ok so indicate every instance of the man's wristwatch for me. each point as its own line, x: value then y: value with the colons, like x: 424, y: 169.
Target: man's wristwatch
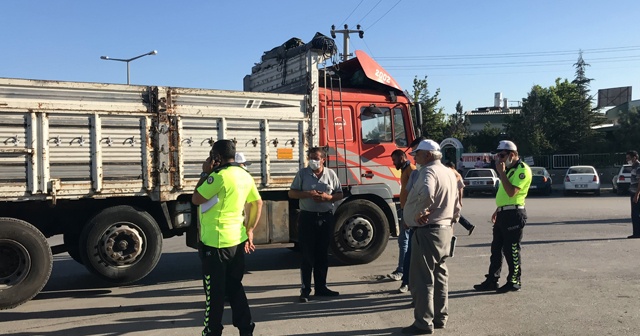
x: 204, y: 175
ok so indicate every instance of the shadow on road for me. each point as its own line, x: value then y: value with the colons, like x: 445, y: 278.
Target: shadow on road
x: 559, y: 241
x: 179, y: 315
x: 584, y: 221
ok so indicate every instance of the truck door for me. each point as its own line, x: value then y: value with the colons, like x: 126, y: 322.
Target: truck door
x: 383, y: 130
x: 343, y: 153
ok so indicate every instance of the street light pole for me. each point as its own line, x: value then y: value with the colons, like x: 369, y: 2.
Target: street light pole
x: 128, y: 60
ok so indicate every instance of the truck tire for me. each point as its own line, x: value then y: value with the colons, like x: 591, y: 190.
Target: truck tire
x: 121, y: 244
x: 361, y: 232
x: 25, y: 262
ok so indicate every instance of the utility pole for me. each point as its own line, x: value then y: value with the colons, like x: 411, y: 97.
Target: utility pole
x: 345, y: 35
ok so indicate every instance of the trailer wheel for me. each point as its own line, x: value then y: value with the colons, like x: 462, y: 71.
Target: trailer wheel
x: 121, y: 244
x: 25, y: 262
x: 361, y: 232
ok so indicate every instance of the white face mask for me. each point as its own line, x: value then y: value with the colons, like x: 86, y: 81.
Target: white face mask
x: 314, y: 164
x: 509, y: 162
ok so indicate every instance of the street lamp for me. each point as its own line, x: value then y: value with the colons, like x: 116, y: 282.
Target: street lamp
x: 107, y: 58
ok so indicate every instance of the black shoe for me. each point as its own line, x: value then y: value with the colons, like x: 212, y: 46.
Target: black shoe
x: 413, y: 330
x: 487, y: 285
x: 304, y: 297
x: 633, y: 236
x: 438, y: 325
x: 325, y: 292
x: 508, y: 287
x: 471, y: 229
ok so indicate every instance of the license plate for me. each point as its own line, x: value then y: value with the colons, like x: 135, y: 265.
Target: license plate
x: 477, y: 183
x: 533, y: 187
x: 581, y: 185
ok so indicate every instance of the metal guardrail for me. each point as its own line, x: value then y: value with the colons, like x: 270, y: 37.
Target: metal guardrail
x: 562, y: 161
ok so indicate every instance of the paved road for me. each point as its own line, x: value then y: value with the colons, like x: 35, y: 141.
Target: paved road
x: 580, y: 277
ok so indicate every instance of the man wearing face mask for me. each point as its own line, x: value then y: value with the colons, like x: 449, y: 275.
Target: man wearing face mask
x: 317, y: 188
x: 509, y: 219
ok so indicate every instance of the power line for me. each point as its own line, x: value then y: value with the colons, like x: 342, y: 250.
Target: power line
x: 385, y: 14
x: 508, y: 64
x: 369, y: 12
x: 353, y: 11
x: 532, y: 63
x: 508, y: 55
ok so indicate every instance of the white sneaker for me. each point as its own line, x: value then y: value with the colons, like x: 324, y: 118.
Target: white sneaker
x: 403, y: 289
x: 395, y: 276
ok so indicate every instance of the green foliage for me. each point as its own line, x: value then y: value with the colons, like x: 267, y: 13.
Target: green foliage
x: 628, y: 136
x: 483, y: 141
x: 433, y: 121
x: 457, y: 125
x: 557, y: 119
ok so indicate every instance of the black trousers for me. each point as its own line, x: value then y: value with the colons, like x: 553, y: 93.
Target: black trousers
x: 314, y: 234
x: 507, y: 235
x: 222, y: 270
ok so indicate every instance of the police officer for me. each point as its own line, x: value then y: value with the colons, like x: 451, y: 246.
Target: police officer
x: 509, y: 219
x: 317, y: 188
x: 221, y: 195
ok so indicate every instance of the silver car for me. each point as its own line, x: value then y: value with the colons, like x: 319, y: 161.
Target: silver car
x: 582, y: 179
x: 481, y: 180
x: 622, y: 180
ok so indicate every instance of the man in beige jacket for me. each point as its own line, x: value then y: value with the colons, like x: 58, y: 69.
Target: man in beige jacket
x: 432, y: 206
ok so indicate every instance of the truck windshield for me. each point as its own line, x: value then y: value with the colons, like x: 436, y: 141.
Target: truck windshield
x: 400, y: 134
x: 376, y: 127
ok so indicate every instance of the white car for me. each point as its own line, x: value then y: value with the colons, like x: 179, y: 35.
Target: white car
x: 622, y: 180
x: 582, y: 179
x: 481, y: 180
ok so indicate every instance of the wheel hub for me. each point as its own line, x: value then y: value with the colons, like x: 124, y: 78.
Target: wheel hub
x: 121, y: 244
x: 358, y: 232
x: 15, y: 263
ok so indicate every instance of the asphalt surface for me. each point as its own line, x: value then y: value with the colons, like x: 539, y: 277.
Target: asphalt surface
x: 580, y: 277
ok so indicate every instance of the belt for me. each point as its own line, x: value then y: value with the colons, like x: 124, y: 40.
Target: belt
x: 434, y: 226
x: 510, y: 207
x: 319, y: 214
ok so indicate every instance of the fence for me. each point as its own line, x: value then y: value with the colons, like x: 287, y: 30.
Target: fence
x: 561, y: 161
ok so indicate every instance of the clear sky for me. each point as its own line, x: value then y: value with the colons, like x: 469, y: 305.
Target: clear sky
x: 468, y: 49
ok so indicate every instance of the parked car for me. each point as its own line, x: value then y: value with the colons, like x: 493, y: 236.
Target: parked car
x: 541, y: 181
x: 582, y: 179
x: 622, y: 180
x: 481, y: 180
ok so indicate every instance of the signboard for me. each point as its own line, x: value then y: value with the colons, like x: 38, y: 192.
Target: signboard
x: 614, y: 96
x: 285, y: 153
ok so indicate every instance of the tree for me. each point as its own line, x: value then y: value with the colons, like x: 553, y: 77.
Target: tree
x: 433, y: 122
x: 529, y: 128
x: 628, y: 136
x: 584, y: 115
x: 457, y: 124
x: 557, y: 119
x: 484, y: 141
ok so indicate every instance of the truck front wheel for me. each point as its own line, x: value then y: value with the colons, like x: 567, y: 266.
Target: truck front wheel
x: 361, y: 232
x: 25, y: 262
x: 121, y: 244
